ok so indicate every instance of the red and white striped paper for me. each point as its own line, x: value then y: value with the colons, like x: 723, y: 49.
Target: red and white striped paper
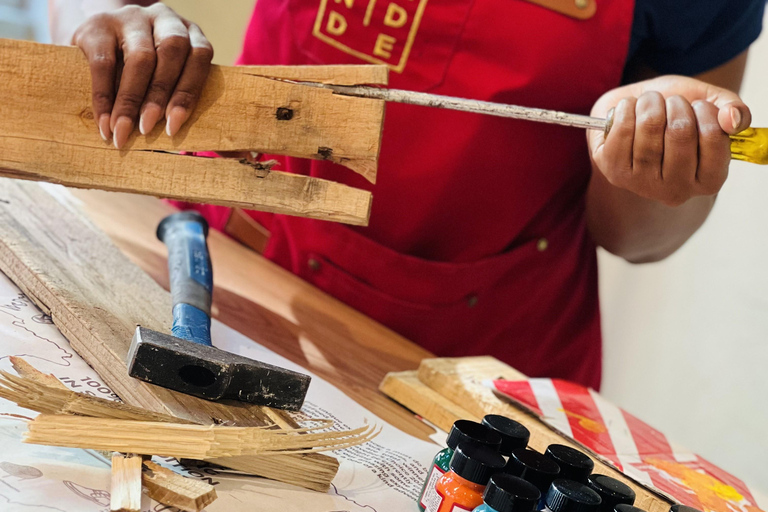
x: 634, y: 447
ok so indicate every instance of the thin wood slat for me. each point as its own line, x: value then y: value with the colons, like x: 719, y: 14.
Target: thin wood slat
x: 172, y: 489
x: 46, y: 94
x: 125, y: 489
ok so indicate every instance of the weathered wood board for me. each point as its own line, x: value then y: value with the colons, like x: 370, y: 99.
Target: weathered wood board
x: 96, y: 297
x: 47, y: 133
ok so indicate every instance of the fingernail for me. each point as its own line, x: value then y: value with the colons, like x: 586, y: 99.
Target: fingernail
x: 176, y: 118
x: 735, y: 117
x: 123, y: 129
x: 149, y: 118
x: 104, y: 127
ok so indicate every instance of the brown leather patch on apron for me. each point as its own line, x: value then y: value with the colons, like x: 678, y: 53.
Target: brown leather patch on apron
x: 247, y: 231
x: 579, y: 9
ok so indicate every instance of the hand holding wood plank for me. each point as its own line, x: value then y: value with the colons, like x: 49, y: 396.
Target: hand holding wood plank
x: 47, y: 133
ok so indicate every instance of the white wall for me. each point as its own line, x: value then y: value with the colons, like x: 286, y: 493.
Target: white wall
x: 686, y: 340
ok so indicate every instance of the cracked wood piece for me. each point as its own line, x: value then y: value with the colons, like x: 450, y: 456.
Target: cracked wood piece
x: 125, y: 489
x: 46, y: 94
x: 175, y: 490
x: 461, y: 379
x: 406, y: 389
x: 96, y: 297
x: 223, y: 181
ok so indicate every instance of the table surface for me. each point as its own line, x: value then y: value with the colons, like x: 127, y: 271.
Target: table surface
x: 273, y: 307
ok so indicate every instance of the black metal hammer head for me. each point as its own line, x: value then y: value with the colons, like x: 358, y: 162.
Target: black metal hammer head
x: 212, y: 373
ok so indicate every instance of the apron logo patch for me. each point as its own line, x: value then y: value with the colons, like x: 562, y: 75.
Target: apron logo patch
x: 377, y: 31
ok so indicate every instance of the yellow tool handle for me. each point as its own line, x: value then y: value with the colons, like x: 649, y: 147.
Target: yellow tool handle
x: 751, y: 145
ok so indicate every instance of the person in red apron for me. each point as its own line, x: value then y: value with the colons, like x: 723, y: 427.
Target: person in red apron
x: 483, y: 230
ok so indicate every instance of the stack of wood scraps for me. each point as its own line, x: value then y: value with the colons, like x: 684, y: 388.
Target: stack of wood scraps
x: 76, y: 420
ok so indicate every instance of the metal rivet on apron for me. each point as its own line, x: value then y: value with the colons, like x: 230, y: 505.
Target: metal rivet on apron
x: 542, y: 244
x: 582, y: 4
x: 313, y: 264
x: 472, y: 301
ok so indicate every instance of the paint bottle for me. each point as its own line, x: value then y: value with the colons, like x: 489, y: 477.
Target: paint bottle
x: 683, y: 508
x: 533, y: 467
x: 507, y: 493
x: 612, y: 492
x: 461, y: 431
x: 574, y: 465
x: 513, y: 434
x: 623, y: 507
x: 461, y: 488
x: 570, y: 496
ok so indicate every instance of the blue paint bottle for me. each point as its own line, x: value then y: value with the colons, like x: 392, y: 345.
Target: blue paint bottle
x: 507, y: 493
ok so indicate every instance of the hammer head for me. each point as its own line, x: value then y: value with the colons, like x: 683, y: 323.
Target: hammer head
x: 211, y: 373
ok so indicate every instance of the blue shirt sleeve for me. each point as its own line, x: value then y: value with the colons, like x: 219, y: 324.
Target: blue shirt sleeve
x: 688, y: 37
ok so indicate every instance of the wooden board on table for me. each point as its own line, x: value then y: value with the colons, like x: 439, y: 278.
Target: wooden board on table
x: 406, y: 389
x: 96, y: 296
x: 47, y: 133
x: 273, y: 307
x: 461, y: 381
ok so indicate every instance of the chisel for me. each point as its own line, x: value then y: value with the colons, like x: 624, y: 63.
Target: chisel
x: 751, y: 145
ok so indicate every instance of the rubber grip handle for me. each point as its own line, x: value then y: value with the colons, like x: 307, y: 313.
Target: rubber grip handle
x: 190, y: 273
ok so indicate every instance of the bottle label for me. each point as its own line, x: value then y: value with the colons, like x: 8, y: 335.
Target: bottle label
x: 430, y: 499
x: 459, y: 508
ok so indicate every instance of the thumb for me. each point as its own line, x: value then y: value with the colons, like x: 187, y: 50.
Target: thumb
x: 734, y: 117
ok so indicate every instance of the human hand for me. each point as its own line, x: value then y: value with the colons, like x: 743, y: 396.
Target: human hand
x: 146, y: 63
x: 669, y: 140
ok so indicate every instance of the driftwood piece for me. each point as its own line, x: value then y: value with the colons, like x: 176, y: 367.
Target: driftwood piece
x: 172, y: 489
x: 47, y: 96
x: 96, y: 297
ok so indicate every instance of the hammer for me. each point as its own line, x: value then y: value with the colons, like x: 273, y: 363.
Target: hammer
x: 187, y: 361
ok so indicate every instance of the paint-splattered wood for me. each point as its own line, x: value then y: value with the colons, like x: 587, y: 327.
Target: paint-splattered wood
x: 46, y: 95
x: 461, y: 381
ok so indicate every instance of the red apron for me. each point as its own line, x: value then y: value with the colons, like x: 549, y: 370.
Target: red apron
x: 477, y: 242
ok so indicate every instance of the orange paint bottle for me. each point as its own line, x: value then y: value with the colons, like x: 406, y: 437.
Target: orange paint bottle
x: 461, y: 488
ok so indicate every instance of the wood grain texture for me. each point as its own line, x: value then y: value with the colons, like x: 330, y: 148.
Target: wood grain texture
x: 125, y: 488
x: 223, y: 181
x: 47, y: 97
x: 273, y: 307
x: 406, y: 389
x: 96, y: 297
x: 174, y: 490
x: 461, y: 381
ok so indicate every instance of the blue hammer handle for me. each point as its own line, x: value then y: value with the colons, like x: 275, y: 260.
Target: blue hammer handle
x: 191, y: 276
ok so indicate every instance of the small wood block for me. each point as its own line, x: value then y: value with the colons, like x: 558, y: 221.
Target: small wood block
x: 406, y: 389
x: 172, y: 489
x: 125, y: 489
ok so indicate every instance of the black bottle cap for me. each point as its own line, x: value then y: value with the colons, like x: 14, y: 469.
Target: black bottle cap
x: 623, y: 507
x: 574, y: 465
x: 611, y: 491
x: 513, y: 434
x: 476, y: 462
x: 683, y: 508
x: 466, y: 430
x: 507, y: 493
x: 570, y: 496
x: 532, y: 467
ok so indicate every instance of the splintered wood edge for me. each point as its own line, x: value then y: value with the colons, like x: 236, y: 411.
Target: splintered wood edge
x: 406, y: 389
x: 125, y: 489
x: 172, y: 489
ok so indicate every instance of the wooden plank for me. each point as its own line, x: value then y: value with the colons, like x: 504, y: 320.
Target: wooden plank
x: 273, y: 307
x: 223, y: 181
x: 461, y: 381
x: 406, y: 389
x: 46, y: 94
